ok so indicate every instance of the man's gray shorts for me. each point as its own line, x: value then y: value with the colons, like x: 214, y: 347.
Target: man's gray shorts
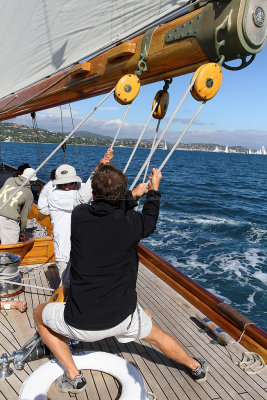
x: 134, y: 327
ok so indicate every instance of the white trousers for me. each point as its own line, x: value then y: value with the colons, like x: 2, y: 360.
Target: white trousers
x: 9, y: 230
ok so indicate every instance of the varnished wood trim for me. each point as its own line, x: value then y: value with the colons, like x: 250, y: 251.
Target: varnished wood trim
x: 20, y: 248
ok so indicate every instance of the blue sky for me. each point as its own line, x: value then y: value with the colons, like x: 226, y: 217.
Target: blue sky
x: 237, y: 115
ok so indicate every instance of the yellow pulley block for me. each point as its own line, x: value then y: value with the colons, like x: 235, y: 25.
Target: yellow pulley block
x: 60, y: 295
x: 127, y: 89
x: 162, y: 97
x: 208, y: 81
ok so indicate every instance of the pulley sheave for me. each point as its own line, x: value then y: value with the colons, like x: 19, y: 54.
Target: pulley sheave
x: 208, y: 81
x: 127, y: 89
x: 162, y: 97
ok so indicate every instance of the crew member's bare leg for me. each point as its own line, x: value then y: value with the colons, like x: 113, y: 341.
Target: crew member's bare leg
x: 170, y: 347
x: 57, y: 344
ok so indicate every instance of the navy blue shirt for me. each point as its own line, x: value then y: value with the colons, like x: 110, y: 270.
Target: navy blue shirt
x: 104, y: 261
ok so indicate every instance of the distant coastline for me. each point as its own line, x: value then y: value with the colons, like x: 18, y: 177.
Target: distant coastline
x: 11, y: 132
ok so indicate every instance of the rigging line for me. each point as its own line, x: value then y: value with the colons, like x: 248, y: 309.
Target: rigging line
x: 182, y: 135
x: 34, y: 127
x: 64, y: 146
x: 76, y: 146
x: 163, y: 132
x: 122, y: 122
x: 30, y: 286
x: 10, y: 101
x: 150, y: 155
x: 56, y: 149
x: 38, y: 144
x: 140, y: 137
x: 37, y: 94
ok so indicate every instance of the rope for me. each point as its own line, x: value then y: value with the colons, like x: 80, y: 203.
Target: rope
x: 140, y: 137
x: 245, y: 326
x: 152, y: 146
x: 30, y: 286
x: 163, y: 133
x: 181, y: 136
x: 56, y: 149
x: 122, y: 121
x: 39, y: 149
x: 249, y: 361
x: 63, y: 146
x: 249, y: 358
x: 76, y: 146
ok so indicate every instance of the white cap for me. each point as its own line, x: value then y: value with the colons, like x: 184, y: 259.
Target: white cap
x: 28, y: 172
x: 66, y: 174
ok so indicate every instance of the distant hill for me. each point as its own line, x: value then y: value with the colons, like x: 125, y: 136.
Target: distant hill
x: 90, y: 134
x: 10, y: 132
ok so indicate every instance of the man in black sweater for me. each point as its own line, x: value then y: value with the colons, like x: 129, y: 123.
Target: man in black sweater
x: 102, y: 300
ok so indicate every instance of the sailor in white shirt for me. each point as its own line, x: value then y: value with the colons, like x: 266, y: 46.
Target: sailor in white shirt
x: 60, y: 197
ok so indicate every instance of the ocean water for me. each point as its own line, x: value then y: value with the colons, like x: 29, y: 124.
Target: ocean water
x: 212, y: 223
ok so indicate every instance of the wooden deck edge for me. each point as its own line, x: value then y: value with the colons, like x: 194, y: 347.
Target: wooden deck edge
x: 20, y: 248
x: 254, y: 338
x: 41, y: 252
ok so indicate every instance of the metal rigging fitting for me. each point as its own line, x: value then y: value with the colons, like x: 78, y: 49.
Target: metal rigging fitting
x: 127, y: 89
x: 208, y: 81
x: 162, y: 98
x: 128, y: 86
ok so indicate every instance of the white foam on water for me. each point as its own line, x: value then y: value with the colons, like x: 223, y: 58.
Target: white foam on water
x: 261, y: 276
x: 256, y: 235
x: 232, y: 265
x: 216, y: 221
x: 252, y: 257
x: 217, y: 293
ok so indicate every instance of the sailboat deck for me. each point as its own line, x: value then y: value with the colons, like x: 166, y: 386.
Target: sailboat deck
x: 165, y: 378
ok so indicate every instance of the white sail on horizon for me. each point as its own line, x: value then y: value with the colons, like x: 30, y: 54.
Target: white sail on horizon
x: 39, y: 38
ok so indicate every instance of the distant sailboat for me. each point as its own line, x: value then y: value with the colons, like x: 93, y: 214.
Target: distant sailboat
x: 216, y: 149
x: 263, y: 151
x: 226, y: 149
x: 165, y: 146
x: 249, y: 151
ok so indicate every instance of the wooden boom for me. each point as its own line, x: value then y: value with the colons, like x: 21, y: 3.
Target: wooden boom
x: 215, y: 31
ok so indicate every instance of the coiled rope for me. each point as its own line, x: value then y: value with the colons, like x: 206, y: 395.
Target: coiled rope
x: 249, y: 360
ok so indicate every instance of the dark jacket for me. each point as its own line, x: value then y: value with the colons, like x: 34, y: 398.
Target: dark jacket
x: 104, y: 262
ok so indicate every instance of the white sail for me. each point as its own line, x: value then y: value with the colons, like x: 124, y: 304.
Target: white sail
x: 226, y: 149
x: 39, y: 38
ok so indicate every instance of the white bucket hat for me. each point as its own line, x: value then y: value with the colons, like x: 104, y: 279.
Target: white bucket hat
x: 28, y: 172
x: 66, y: 174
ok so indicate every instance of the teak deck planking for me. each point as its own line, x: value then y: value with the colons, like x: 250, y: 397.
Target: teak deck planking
x: 165, y: 378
